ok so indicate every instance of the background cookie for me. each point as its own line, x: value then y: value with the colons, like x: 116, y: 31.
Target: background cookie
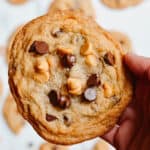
x: 84, y: 5
x: 120, y: 3
x: 12, y: 116
x: 17, y: 1
x: 1, y: 87
x: 10, y: 40
x: 2, y: 50
x: 124, y: 41
x: 67, y: 77
x: 101, y: 145
x: 49, y: 146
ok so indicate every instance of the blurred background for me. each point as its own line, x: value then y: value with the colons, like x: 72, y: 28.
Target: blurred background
x: 133, y: 21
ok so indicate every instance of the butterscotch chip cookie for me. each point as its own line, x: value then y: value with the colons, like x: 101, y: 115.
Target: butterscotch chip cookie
x: 84, y: 5
x: 17, y: 1
x: 124, y: 41
x: 118, y: 4
x: 49, y: 146
x: 64, y: 98
x: 101, y: 145
x: 12, y: 116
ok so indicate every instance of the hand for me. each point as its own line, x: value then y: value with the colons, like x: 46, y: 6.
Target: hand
x: 133, y: 129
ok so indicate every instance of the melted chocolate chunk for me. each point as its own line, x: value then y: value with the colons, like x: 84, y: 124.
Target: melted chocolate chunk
x: 39, y: 47
x: 58, y: 100
x: 109, y: 59
x: 64, y: 101
x: 50, y: 117
x: 68, y: 61
x: 53, y: 97
x: 90, y: 94
x: 93, y: 80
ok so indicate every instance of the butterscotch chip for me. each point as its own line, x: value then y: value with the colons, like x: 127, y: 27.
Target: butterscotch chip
x: 68, y: 106
x: 17, y: 1
x: 119, y: 4
x: 12, y: 116
x: 91, y: 60
x: 49, y: 146
x: 82, y: 5
x: 124, y: 41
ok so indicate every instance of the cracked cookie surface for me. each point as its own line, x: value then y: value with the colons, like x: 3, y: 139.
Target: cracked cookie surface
x: 67, y: 77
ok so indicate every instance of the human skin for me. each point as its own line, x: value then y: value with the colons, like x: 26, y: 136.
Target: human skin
x: 133, y: 129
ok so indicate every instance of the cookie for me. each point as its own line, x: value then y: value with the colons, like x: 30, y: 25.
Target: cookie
x: 12, y: 116
x: 85, y: 6
x: 17, y: 1
x: 101, y: 145
x: 67, y: 77
x: 1, y: 87
x: 10, y: 40
x: 2, y: 50
x: 49, y: 146
x: 124, y: 41
x: 118, y: 4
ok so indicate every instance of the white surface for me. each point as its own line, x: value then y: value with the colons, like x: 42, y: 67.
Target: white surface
x: 134, y: 21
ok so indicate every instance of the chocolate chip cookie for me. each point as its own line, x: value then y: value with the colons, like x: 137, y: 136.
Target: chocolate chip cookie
x: 67, y: 77
x: 49, y: 146
x: 12, y: 116
x: 124, y: 40
x: 118, y: 4
x: 84, y: 5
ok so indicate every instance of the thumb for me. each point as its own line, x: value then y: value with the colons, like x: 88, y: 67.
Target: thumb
x: 138, y: 65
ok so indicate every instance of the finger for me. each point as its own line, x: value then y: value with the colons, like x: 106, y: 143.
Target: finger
x: 129, y: 114
x: 109, y: 137
x: 138, y: 65
x: 124, y: 135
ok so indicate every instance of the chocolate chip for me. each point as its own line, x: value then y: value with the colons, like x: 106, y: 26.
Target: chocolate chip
x: 39, y: 47
x: 67, y: 119
x: 90, y: 94
x: 50, y: 117
x: 109, y: 58
x: 58, y: 100
x: 53, y: 97
x: 68, y: 61
x: 57, y: 32
x: 121, y: 42
x: 64, y: 101
x: 93, y: 80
